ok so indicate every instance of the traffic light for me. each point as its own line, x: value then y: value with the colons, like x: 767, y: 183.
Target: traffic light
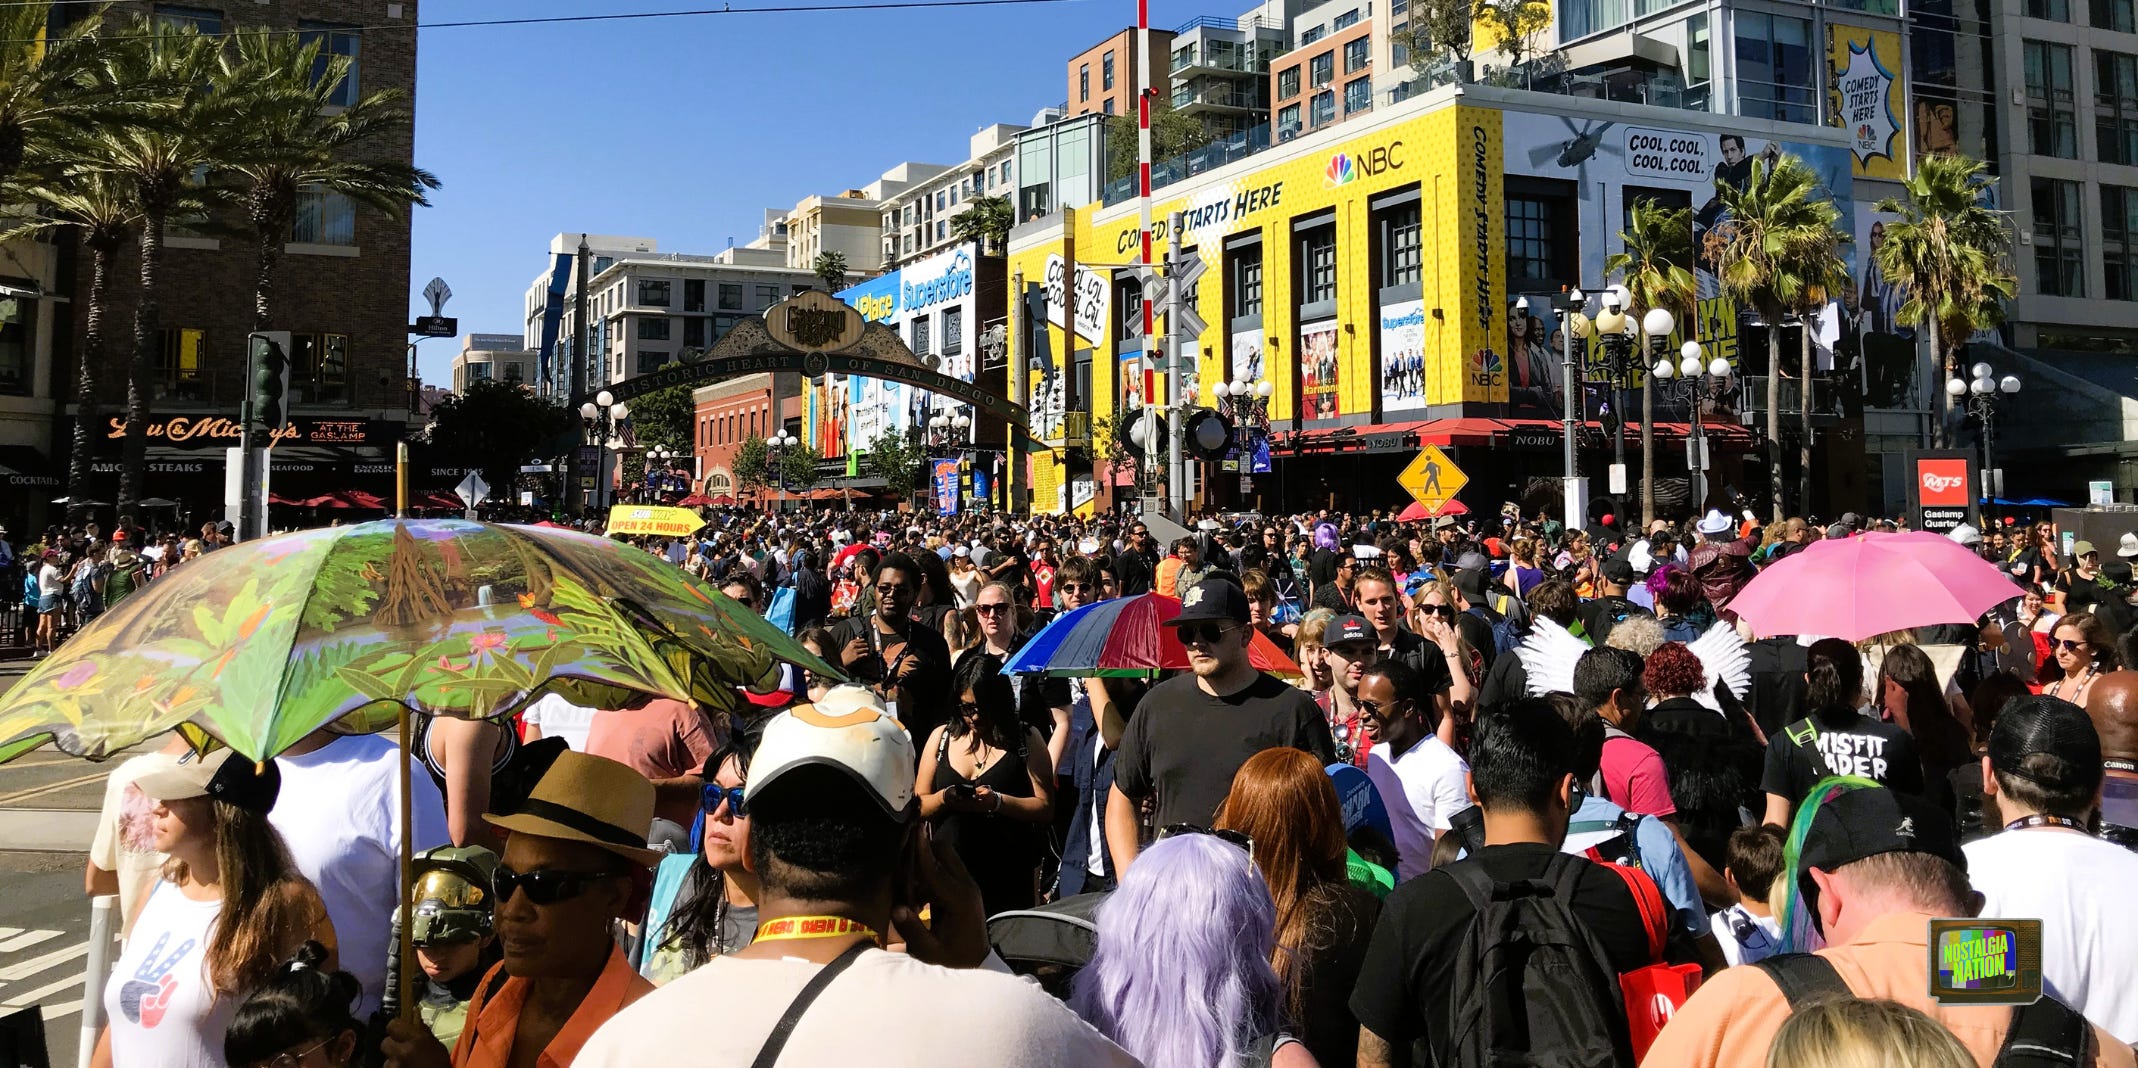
x: 269, y: 362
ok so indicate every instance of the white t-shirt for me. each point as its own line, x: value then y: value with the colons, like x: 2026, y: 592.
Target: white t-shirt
x: 556, y: 717
x: 886, y: 1011
x: 1422, y: 789
x: 159, y: 999
x: 125, y: 842
x: 340, y: 814
x: 1745, y: 938
x: 2079, y: 887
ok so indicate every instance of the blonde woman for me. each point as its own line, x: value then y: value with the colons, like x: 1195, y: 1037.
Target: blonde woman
x: 1852, y: 1032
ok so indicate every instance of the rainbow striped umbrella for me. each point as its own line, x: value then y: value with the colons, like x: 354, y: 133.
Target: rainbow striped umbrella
x: 1124, y: 637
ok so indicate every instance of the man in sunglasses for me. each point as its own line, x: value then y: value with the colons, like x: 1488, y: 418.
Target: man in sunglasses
x: 905, y: 664
x: 1137, y: 564
x: 1191, y: 733
x: 575, y: 862
x: 1421, y: 779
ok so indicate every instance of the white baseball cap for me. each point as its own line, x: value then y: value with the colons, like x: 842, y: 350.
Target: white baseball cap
x: 1965, y: 535
x: 849, y: 731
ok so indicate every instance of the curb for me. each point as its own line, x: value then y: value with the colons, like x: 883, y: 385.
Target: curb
x: 47, y: 830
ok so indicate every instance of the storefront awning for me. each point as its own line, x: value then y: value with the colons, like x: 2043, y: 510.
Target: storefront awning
x: 1483, y: 432
x: 23, y: 466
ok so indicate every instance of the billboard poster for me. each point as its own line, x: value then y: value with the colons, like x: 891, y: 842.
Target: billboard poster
x: 946, y: 486
x: 1246, y: 355
x: 1536, y: 360
x: 1091, y: 296
x: 1887, y: 353
x: 1134, y: 382
x: 1403, y: 357
x: 1485, y: 153
x: 1318, y: 369
x: 1865, y: 97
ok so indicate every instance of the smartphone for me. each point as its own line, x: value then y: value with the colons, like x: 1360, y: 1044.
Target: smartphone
x: 963, y: 791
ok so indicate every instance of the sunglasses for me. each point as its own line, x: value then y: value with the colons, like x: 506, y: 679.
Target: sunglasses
x: 712, y: 795
x: 1235, y: 837
x: 891, y: 589
x: 546, y: 887
x: 1444, y: 611
x: 996, y: 608
x: 2069, y: 645
x: 1206, y: 633
x: 1076, y: 587
x: 1374, y: 708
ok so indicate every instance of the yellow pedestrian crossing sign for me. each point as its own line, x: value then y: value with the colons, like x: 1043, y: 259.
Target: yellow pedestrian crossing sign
x: 1433, y: 479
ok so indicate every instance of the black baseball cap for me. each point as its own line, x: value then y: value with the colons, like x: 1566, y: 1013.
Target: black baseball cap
x: 2047, y: 741
x: 1873, y: 821
x: 1472, y: 581
x: 1349, y: 628
x: 1212, y: 600
x: 220, y: 776
x: 1618, y: 571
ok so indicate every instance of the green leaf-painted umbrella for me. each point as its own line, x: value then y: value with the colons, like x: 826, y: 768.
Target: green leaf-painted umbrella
x: 262, y: 643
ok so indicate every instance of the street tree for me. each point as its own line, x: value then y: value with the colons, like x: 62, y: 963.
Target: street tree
x: 46, y: 91
x: 753, y: 467
x: 1172, y: 134
x: 499, y: 427
x: 986, y: 220
x: 1760, y: 253
x: 896, y: 457
x: 1436, y: 28
x: 1952, y: 251
x: 665, y: 417
x: 1822, y: 271
x: 1516, y: 25
x: 831, y: 270
x: 1656, y: 269
x: 306, y: 142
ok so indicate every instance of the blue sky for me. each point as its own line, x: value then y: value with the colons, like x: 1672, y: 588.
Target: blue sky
x: 685, y: 129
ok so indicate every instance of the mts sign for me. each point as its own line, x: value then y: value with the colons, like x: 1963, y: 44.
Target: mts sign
x: 1943, y: 482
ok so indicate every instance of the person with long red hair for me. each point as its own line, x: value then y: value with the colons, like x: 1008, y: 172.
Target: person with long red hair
x: 1282, y: 800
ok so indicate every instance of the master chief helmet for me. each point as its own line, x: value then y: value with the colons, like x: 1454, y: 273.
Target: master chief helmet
x: 451, y: 896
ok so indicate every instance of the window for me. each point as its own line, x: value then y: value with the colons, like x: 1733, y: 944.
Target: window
x: 323, y: 217
x: 953, y: 331
x: 1542, y: 233
x: 2119, y: 241
x: 730, y: 296
x: 1346, y: 20
x: 653, y: 292
x: 1128, y: 306
x: 653, y: 328
x: 694, y: 294
x: 1106, y: 78
x: 940, y: 202
x: 1287, y: 83
x: 2115, y: 98
x: 1402, y: 246
x: 1356, y: 55
x: 478, y: 372
x: 2058, y: 267
x: 920, y: 336
x: 1320, y: 248
x: 1323, y: 108
x: 942, y: 229
x: 649, y: 362
x: 694, y: 333
x: 767, y: 296
x: 179, y: 18
x: 2053, y: 10
x: 1313, y: 34
x: 1774, y: 75
x: 1083, y: 83
x: 18, y: 350
x: 2052, y: 125
x: 1288, y: 119
x: 1324, y: 69
x: 178, y: 365
x: 1247, y: 281
x: 1358, y: 95
x: 2114, y: 15
x: 1698, y: 56
x: 334, y: 40
x: 1109, y: 105
x: 515, y: 373
x: 319, y: 368
x: 953, y: 196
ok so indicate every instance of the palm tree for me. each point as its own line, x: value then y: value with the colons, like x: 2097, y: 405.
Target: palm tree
x: 304, y: 142
x: 103, y: 213
x: 158, y: 153
x: 987, y: 220
x: 1656, y: 268
x: 44, y: 90
x: 831, y: 269
x: 1759, y: 252
x: 1824, y: 272
x: 1951, y: 250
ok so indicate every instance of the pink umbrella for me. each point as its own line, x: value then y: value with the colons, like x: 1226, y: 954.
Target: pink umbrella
x: 1856, y: 587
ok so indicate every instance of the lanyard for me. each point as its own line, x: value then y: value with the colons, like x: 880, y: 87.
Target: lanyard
x: 788, y: 928
x: 2038, y: 820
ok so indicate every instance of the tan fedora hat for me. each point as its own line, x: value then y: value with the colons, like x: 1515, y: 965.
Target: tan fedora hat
x: 591, y: 799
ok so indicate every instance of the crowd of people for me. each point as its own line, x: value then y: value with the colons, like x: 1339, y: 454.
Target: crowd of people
x: 1527, y: 784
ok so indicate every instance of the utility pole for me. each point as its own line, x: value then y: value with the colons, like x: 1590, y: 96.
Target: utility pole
x: 580, y: 336
x: 1176, y: 471
x: 1570, y: 305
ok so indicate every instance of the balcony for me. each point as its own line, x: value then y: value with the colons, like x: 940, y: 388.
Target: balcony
x: 1193, y: 99
x: 1207, y: 158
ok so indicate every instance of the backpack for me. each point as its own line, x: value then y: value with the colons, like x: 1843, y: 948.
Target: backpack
x: 1508, y: 619
x: 1620, y: 849
x: 1533, y: 985
x: 2045, y: 1034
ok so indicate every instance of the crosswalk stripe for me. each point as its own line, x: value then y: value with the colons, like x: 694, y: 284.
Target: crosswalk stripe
x: 25, y: 940
x: 32, y: 997
x: 59, y: 1011
x: 37, y: 964
x: 9, y: 932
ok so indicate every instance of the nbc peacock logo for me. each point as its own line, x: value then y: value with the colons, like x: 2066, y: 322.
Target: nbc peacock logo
x: 1340, y: 171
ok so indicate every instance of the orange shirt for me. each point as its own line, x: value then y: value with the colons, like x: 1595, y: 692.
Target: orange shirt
x: 493, y: 1024
x: 1732, y: 1018
x: 1167, y: 580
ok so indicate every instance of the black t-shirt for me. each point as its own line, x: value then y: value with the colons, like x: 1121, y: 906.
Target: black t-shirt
x: 1847, y: 743
x: 1777, y: 695
x: 1184, y: 746
x: 1600, y: 614
x: 926, y: 703
x: 1342, y: 928
x: 1132, y: 570
x: 1425, y: 658
x: 1406, y: 988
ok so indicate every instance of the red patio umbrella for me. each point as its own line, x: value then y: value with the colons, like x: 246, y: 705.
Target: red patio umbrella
x: 1417, y: 511
x: 722, y: 501
x: 696, y: 500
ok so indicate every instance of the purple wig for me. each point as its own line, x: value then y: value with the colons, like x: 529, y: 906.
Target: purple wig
x: 1180, y: 977
x: 1325, y: 537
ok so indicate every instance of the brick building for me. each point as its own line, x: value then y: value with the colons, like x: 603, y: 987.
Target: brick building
x: 731, y: 412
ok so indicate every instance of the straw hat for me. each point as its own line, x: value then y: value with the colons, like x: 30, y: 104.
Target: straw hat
x: 590, y: 799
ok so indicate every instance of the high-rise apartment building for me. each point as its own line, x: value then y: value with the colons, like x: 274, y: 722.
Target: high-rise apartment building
x: 1102, y: 78
x: 851, y: 224
x: 1220, y: 69
x: 1327, y: 76
x: 917, y: 223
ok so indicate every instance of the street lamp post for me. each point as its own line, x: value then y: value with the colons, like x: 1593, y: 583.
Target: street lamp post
x: 776, y: 448
x: 1657, y: 324
x: 1689, y: 380
x: 658, y: 458
x: 1979, y: 396
x: 1614, y: 328
x: 600, y: 418
x: 948, y: 431
x: 1573, y: 322
x: 1246, y: 403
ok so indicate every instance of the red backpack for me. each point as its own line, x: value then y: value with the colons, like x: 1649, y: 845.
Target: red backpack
x: 1655, y: 992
